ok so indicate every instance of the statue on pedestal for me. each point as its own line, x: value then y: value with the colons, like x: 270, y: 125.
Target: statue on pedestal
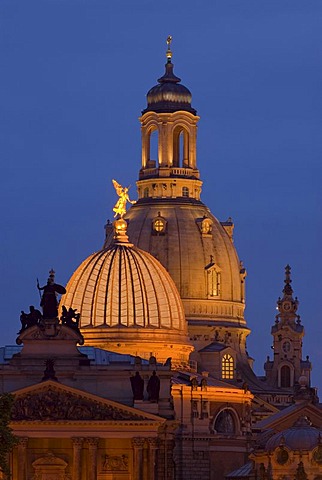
x: 49, y: 301
x: 27, y: 320
x: 137, y: 384
x: 153, y: 387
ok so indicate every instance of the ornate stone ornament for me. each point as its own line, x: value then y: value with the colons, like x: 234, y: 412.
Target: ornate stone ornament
x: 50, y: 467
x: 54, y: 404
x: 282, y: 456
x: 115, y: 463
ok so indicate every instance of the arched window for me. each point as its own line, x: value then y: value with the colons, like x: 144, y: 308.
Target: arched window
x: 225, y: 422
x: 185, y: 191
x: 285, y: 376
x: 146, y: 192
x: 152, y: 148
x: 227, y: 367
x: 180, y: 147
x: 213, y: 278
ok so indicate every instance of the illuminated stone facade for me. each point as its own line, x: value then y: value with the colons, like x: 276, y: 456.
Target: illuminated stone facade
x: 157, y: 384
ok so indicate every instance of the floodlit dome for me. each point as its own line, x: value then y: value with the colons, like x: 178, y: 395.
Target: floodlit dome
x: 128, y: 302
x: 301, y: 436
x: 197, y: 251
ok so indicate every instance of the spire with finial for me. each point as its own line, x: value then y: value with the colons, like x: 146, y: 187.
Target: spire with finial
x: 287, y: 290
x: 169, y: 76
x: 169, y: 52
x: 287, y: 305
x: 169, y: 95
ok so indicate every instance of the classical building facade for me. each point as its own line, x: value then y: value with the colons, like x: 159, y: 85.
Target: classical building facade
x: 145, y: 373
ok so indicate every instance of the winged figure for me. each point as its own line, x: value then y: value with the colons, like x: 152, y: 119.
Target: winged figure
x: 120, y: 206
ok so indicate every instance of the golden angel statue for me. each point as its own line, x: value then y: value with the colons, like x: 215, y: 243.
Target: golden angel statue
x: 120, y: 206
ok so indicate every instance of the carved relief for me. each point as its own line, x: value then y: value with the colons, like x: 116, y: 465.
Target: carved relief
x: 54, y: 404
x: 115, y: 463
x: 50, y: 467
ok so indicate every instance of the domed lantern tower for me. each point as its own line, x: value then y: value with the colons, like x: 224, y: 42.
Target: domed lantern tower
x: 169, y: 114
x: 170, y: 221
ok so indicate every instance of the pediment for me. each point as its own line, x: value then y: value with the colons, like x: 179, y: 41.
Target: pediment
x: 286, y: 418
x: 261, y: 405
x: 51, y: 331
x: 53, y: 402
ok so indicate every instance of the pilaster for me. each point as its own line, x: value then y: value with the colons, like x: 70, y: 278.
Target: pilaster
x: 77, y: 457
x: 22, y: 450
x: 153, y: 446
x: 137, y: 445
x: 92, y: 457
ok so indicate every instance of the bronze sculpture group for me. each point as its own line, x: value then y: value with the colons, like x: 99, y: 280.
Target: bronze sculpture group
x: 49, y: 304
x: 153, y: 387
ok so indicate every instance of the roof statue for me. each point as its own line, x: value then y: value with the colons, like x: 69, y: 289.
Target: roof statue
x: 120, y: 206
x: 49, y: 302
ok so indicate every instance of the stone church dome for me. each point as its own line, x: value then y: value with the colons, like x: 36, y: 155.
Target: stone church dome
x: 301, y: 436
x: 170, y: 221
x: 196, y: 250
x: 128, y: 302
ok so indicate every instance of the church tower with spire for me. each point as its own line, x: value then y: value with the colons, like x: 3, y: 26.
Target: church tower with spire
x: 287, y: 369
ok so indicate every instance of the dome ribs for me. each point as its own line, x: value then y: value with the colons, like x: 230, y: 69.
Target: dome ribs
x: 108, y: 293
x: 131, y: 281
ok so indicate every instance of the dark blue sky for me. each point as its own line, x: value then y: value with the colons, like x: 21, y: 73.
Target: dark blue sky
x: 74, y: 74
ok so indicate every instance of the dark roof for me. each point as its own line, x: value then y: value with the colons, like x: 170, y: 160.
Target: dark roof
x: 213, y: 347
x: 242, y: 472
x: 169, y: 95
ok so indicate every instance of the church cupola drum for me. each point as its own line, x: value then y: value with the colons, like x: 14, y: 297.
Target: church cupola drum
x: 170, y: 221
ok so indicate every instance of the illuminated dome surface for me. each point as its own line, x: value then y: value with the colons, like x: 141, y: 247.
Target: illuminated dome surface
x: 301, y: 436
x: 124, y: 287
x: 186, y: 253
x: 125, y: 295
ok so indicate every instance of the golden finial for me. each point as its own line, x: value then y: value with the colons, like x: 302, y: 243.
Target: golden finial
x: 169, y: 53
x: 120, y: 206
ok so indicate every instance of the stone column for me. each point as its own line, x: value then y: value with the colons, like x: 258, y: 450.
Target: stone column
x: 138, y: 444
x: 22, y: 448
x: 153, y: 446
x: 92, y: 457
x: 77, y: 457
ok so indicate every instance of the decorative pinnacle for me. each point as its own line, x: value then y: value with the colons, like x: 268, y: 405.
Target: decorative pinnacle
x: 287, y: 290
x: 287, y: 305
x: 169, y: 52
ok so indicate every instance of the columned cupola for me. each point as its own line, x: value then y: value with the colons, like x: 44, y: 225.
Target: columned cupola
x: 169, y: 123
